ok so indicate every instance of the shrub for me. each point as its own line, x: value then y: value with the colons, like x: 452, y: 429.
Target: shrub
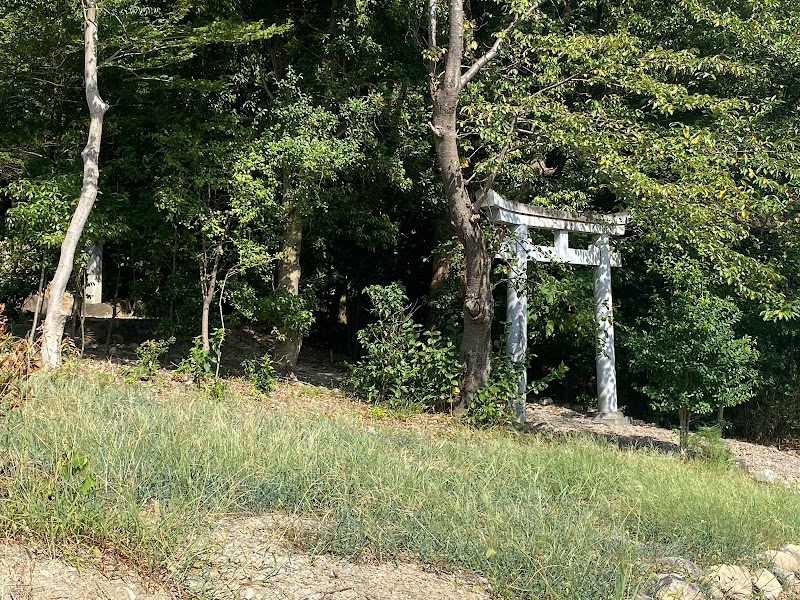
x: 203, y: 364
x: 261, y: 374
x: 707, y: 444
x: 404, y: 366
x: 148, y: 354
x: 491, y: 405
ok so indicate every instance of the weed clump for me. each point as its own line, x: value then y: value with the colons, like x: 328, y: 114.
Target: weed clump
x: 261, y: 373
x: 17, y: 363
x: 148, y: 354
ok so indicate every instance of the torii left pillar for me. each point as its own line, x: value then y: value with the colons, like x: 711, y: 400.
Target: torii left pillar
x: 517, y: 312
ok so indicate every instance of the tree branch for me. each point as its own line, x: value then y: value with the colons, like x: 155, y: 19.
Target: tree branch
x: 432, y: 23
x: 498, y: 43
x: 512, y: 130
x: 502, y: 156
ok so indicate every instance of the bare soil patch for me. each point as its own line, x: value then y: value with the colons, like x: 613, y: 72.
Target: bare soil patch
x: 27, y: 574
x: 250, y: 558
x: 243, y: 558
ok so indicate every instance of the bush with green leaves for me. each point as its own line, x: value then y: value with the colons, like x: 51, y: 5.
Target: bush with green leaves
x: 261, y: 373
x: 691, y: 357
x: 493, y: 401
x: 707, y: 444
x: 148, y: 359
x: 491, y: 405
x: 404, y: 366
x: 289, y: 314
x: 203, y: 364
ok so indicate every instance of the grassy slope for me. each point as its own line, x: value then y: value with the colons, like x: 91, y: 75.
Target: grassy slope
x: 539, y: 519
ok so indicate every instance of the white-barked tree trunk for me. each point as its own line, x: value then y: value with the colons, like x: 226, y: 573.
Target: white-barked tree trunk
x: 56, y: 314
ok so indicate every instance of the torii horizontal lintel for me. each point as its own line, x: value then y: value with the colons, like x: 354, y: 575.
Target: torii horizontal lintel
x: 507, y: 212
x: 574, y: 256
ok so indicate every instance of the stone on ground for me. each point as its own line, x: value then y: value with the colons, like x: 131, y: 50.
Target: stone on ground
x: 732, y: 581
x: 672, y: 586
x: 767, y: 585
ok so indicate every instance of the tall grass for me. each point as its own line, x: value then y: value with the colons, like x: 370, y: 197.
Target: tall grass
x: 89, y: 463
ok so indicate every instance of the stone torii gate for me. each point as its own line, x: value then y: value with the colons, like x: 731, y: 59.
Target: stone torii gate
x: 518, y: 249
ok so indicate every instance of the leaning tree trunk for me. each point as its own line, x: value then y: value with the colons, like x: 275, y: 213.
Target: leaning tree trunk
x: 476, y: 345
x: 445, y: 89
x: 288, y: 347
x: 53, y: 328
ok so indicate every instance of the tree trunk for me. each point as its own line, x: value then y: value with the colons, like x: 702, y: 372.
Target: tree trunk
x: 208, y: 289
x: 683, y: 417
x: 39, y: 301
x: 53, y: 328
x: 476, y: 345
x: 288, y: 347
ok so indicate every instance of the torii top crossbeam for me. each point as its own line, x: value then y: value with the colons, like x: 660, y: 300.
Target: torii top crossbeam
x: 507, y: 212
x: 518, y: 249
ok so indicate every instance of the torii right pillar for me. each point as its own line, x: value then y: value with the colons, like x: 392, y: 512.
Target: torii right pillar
x: 605, y: 360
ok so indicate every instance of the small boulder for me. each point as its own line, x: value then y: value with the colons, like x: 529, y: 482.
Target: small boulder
x: 766, y: 476
x: 781, y: 559
x: 732, y: 580
x: 672, y: 586
x: 682, y: 566
x: 793, y: 550
x: 766, y: 584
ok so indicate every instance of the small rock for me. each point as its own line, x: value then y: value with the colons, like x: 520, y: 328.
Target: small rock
x: 767, y: 585
x: 781, y: 559
x: 793, y: 550
x: 672, y: 586
x: 684, y: 567
x: 732, y: 580
x: 787, y: 578
x: 766, y: 476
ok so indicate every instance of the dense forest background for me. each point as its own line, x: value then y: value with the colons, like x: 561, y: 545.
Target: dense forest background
x: 269, y: 161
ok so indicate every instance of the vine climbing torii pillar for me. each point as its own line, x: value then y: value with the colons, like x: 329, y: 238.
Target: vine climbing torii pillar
x: 518, y: 249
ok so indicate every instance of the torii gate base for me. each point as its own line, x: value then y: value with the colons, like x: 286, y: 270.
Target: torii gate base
x: 517, y: 249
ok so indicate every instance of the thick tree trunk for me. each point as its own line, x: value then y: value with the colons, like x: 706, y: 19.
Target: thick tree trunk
x: 56, y: 315
x: 476, y: 345
x: 288, y: 348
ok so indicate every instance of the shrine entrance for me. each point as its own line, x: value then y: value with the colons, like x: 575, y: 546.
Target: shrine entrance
x: 518, y: 249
